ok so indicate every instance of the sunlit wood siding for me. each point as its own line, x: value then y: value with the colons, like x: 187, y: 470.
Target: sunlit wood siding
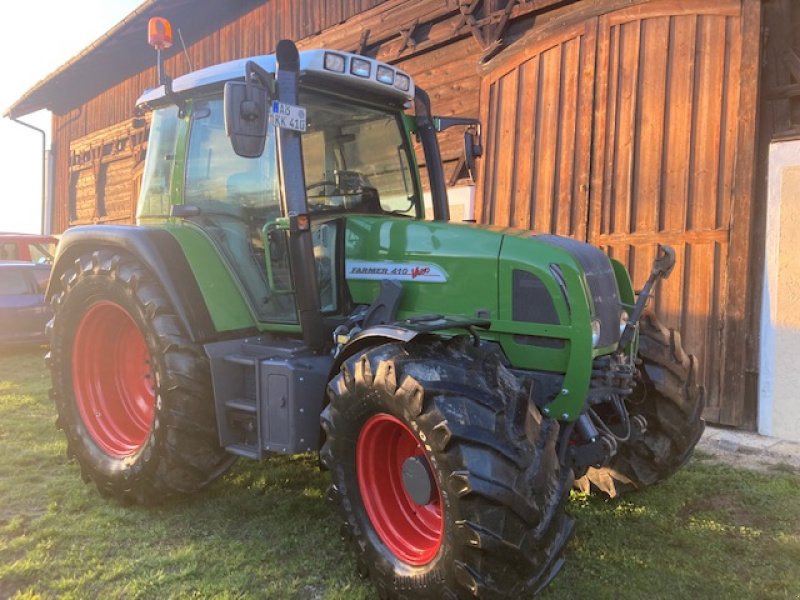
x: 631, y: 128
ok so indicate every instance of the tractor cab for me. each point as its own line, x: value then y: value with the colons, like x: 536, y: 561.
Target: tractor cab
x: 272, y: 184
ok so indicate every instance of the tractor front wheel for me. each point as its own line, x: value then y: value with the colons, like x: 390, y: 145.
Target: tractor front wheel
x: 669, y: 397
x: 133, y: 394
x: 445, y: 476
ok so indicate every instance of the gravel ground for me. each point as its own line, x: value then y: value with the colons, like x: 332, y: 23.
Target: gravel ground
x: 750, y: 450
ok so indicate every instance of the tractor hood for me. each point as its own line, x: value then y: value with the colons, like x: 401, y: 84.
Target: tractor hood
x: 503, y: 275
x: 443, y: 267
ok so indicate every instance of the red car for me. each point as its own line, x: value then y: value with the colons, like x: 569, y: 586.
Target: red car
x: 23, y: 310
x: 27, y: 247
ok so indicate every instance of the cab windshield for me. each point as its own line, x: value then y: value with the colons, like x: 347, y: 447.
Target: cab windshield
x: 356, y: 159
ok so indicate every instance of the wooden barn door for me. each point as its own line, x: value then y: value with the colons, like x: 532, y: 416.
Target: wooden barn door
x: 538, y: 108
x: 664, y: 155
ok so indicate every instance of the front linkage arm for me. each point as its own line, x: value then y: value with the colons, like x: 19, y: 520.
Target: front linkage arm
x: 662, y: 267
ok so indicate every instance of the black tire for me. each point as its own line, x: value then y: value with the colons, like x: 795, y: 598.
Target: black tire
x: 492, y: 456
x: 669, y: 397
x: 178, y: 450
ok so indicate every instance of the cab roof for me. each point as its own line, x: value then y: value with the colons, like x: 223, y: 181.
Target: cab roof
x: 311, y: 62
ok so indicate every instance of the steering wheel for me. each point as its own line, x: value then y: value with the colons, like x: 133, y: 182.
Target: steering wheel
x: 322, y: 183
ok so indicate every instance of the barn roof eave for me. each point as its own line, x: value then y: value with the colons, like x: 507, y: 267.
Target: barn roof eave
x: 121, y: 53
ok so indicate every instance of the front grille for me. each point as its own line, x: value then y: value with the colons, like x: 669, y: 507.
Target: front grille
x: 530, y: 300
x: 601, y: 280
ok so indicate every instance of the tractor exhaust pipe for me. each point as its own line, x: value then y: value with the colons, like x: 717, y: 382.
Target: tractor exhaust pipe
x: 292, y: 181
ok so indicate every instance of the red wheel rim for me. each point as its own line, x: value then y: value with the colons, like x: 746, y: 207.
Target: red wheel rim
x: 412, y: 532
x: 113, y: 379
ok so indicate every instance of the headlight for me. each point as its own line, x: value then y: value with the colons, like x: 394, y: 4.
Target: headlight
x: 623, y: 321
x: 595, y: 333
x: 334, y: 62
x: 402, y: 82
x: 385, y: 75
x: 360, y: 67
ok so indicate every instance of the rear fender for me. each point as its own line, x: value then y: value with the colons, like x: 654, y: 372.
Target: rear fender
x: 158, y: 251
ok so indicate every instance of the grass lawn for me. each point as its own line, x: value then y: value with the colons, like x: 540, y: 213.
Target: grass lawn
x: 264, y: 530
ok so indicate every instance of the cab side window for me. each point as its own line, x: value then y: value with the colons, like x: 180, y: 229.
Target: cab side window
x: 154, y: 199
x: 220, y: 180
x: 237, y: 196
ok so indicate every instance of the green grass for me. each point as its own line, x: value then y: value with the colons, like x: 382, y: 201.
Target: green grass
x: 264, y: 530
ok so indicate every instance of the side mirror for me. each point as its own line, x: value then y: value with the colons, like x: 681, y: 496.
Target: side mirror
x: 246, y: 117
x: 246, y: 114
x: 472, y: 149
x: 472, y: 139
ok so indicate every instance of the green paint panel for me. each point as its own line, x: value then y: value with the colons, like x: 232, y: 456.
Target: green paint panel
x: 467, y: 270
x: 461, y: 260
x: 524, y: 252
x: 221, y: 291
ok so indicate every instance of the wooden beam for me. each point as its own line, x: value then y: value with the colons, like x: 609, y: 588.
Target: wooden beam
x: 740, y: 346
x: 437, y: 23
x: 407, y: 37
x: 792, y: 61
x: 786, y: 92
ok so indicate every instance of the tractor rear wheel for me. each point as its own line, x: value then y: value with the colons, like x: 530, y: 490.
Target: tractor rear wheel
x: 670, y: 399
x: 446, y: 478
x: 133, y: 394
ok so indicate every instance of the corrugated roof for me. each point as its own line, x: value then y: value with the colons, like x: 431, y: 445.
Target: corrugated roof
x: 122, y: 52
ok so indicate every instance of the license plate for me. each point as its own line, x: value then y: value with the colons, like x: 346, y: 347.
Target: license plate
x: 288, y: 116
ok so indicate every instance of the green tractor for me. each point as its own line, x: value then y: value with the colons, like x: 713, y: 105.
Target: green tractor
x: 283, y: 293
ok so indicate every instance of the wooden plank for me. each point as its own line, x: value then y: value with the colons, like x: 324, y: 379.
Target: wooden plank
x: 583, y: 135
x: 697, y: 301
x: 602, y: 130
x: 506, y: 123
x: 730, y: 110
x: 523, y: 152
x: 564, y: 193
x: 649, y: 136
x: 490, y: 164
x: 739, y: 344
x: 677, y: 149
x: 704, y: 180
x: 660, y: 8
x: 622, y: 194
x: 543, y: 215
x: 701, y: 236
x: 679, y: 110
x: 713, y: 366
x: 437, y: 23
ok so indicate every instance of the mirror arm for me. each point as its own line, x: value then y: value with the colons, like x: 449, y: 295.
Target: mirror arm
x: 255, y: 73
x: 442, y: 123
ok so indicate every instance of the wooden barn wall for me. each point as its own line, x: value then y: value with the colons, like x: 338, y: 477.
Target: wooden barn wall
x: 635, y: 127
x: 434, y: 40
x: 256, y: 32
